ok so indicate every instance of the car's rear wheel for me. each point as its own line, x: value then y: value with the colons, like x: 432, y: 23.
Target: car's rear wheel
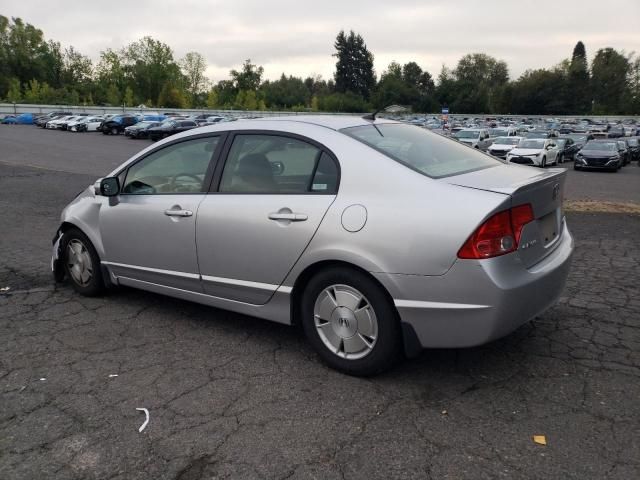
x: 81, y: 263
x: 543, y: 164
x: 114, y: 131
x: 350, y: 321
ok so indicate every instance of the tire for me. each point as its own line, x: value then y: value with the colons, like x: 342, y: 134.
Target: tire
x: 576, y: 168
x: 543, y: 164
x: 83, y: 268
x: 559, y: 159
x: 372, y: 340
x: 114, y: 131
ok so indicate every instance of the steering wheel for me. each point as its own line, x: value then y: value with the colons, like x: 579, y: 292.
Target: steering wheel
x: 172, y: 182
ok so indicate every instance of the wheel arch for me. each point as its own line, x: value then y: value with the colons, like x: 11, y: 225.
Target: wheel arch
x: 410, y: 343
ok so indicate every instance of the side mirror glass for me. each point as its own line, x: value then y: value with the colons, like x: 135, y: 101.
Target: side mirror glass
x: 109, y: 187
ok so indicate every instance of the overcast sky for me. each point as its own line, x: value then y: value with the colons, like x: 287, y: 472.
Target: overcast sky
x: 296, y: 37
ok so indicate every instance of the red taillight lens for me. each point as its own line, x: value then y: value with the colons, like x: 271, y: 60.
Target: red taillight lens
x: 499, y: 235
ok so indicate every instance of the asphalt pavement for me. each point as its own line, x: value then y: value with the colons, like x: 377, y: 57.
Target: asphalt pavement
x: 231, y: 396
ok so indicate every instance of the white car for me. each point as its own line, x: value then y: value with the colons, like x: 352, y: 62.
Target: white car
x: 501, y: 146
x: 85, y: 124
x: 56, y: 124
x: 474, y: 137
x: 538, y: 152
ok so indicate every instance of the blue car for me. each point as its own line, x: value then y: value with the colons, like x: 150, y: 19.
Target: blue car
x: 22, y: 119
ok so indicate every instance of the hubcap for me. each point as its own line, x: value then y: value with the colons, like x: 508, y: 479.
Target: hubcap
x: 79, y: 263
x: 346, y: 321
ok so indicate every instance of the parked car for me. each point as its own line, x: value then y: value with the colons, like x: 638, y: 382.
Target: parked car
x: 22, y: 119
x: 623, y: 151
x: 634, y: 148
x: 503, y: 132
x: 299, y: 234
x: 86, y: 124
x: 567, y: 148
x: 140, y: 129
x: 580, y: 139
x: 64, y: 125
x: 57, y: 122
x: 599, y: 154
x: 538, y: 152
x: 41, y: 120
x: 616, y: 131
x: 539, y: 134
x: 474, y: 137
x: 117, y: 124
x: 8, y: 120
x: 503, y: 145
x: 170, y: 127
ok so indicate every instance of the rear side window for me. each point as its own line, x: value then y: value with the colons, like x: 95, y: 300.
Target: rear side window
x: 421, y: 150
x: 277, y: 165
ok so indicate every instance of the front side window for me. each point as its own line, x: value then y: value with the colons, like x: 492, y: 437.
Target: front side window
x: 178, y: 168
x: 420, y: 150
x: 277, y: 165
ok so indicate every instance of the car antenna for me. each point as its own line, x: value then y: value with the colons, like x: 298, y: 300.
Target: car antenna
x: 372, y: 116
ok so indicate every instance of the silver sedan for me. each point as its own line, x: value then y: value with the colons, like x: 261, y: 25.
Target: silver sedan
x: 379, y: 238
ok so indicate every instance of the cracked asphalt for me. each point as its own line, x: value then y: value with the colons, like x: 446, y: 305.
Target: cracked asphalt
x: 231, y: 396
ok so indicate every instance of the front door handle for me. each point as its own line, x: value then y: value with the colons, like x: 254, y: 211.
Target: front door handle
x: 292, y: 217
x: 178, y: 213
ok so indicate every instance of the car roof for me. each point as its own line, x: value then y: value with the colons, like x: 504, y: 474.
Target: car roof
x: 334, y: 122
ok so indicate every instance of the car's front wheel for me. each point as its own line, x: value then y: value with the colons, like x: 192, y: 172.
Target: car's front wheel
x: 351, y: 322
x: 81, y: 263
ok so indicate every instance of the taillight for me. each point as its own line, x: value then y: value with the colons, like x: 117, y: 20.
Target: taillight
x: 499, y: 235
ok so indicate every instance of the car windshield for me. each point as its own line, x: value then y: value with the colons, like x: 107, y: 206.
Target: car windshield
x: 601, y: 146
x: 467, y: 134
x: 536, y: 143
x: 578, y: 138
x: 421, y: 150
x: 506, y: 141
x: 496, y: 132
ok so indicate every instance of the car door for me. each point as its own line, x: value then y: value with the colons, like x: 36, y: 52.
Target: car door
x: 272, y: 193
x: 148, y: 230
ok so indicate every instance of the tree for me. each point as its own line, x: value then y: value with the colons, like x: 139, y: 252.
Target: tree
x: 148, y: 66
x: 286, y: 92
x: 128, y: 97
x: 113, y: 95
x: 478, y: 77
x: 193, y: 67
x: 609, y: 73
x: 249, y: 78
x: 536, y: 93
x: 578, y: 93
x: 354, y: 68
x: 212, y: 98
x: 14, y: 95
x: 171, y: 97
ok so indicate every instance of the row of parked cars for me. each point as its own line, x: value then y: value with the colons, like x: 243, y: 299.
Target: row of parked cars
x: 547, y: 146
x: 154, y: 126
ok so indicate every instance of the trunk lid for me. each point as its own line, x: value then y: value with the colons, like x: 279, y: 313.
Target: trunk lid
x: 543, y: 189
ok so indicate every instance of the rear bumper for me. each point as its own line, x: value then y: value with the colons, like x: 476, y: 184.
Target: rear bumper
x: 479, y: 301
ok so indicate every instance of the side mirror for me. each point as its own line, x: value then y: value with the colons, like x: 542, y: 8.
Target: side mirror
x: 109, y: 187
x: 277, y: 168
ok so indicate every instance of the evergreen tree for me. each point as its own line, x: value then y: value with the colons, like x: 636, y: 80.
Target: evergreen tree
x: 354, y: 68
x: 578, y: 94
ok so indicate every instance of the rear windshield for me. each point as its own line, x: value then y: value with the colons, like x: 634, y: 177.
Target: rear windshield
x: 426, y: 152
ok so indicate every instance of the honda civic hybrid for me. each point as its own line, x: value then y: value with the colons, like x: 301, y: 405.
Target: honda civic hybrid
x: 378, y: 238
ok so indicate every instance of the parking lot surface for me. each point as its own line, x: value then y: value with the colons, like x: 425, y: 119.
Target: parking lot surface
x: 230, y: 396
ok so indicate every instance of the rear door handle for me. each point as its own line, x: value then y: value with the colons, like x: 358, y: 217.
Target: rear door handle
x: 292, y: 217
x: 178, y: 213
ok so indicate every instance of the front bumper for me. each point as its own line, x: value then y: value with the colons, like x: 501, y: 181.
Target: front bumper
x: 478, y: 301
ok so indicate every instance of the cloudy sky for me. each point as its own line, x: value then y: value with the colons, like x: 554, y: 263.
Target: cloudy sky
x: 297, y: 37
